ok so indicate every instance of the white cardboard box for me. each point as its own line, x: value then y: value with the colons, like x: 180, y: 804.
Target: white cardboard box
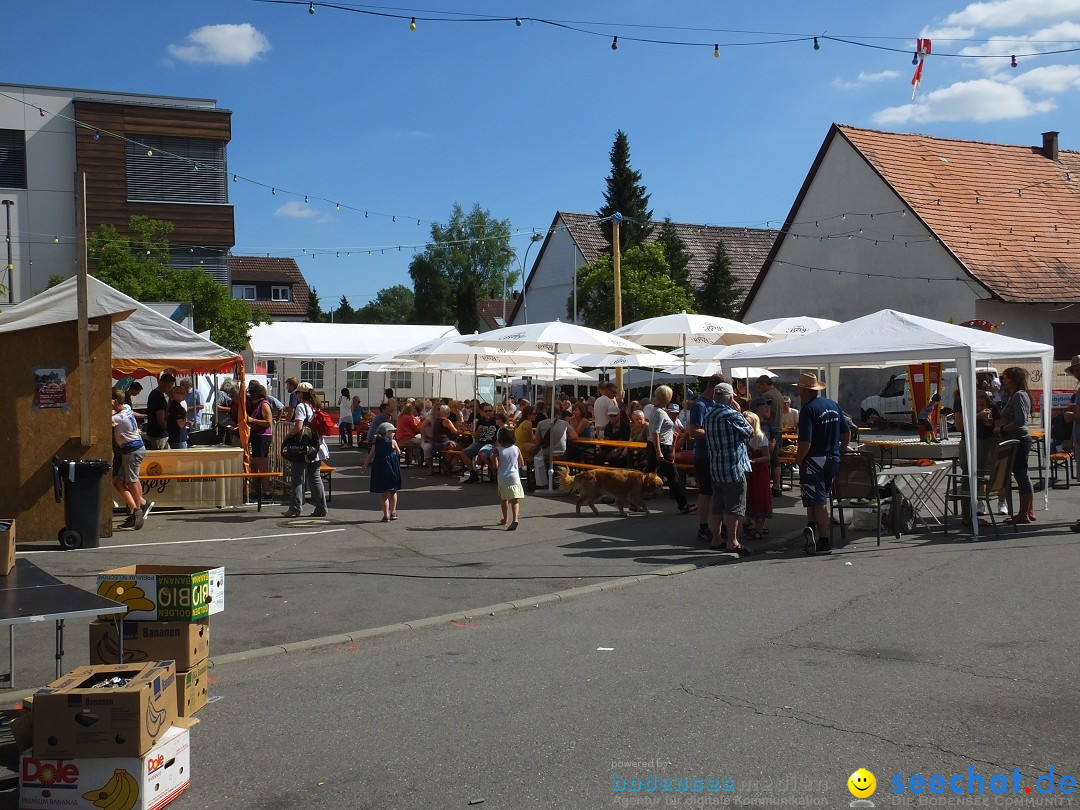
x: 148, y: 782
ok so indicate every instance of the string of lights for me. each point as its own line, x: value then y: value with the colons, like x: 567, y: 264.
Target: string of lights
x: 589, y: 28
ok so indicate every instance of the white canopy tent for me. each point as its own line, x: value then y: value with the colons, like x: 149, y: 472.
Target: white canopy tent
x: 889, y: 338
x: 143, y: 342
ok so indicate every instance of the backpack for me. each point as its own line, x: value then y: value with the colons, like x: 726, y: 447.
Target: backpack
x: 321, y: 422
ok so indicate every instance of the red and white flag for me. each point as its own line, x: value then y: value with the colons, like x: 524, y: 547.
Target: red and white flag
x: 922, y: 50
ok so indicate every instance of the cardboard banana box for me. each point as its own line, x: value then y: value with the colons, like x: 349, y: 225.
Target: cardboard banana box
x: 148, y: 782
x: 185, y: 593
x: 192, y: 689
x: 73, y: 717
x: 186, y: 643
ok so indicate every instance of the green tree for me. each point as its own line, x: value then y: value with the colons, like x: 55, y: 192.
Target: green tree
x: 647, y: 289
x: 468, y: 258
x: 627, y: 196
x: 719, y: 294
x: 391, y: 305
x: 344, y: 312
x: 137, y: 265
x: 678, y: 257
x: 314, y: 308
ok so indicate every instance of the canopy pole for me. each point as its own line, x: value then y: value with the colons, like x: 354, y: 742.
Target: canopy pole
x: 86, y: 394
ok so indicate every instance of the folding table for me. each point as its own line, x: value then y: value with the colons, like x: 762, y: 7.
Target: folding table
x: 920, y: 485
x: 29, y: 594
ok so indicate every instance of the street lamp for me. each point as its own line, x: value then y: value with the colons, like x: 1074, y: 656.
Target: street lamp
x: 536, y: 237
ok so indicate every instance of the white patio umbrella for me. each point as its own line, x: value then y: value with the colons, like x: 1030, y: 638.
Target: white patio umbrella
x: 555, y: 337
x: 688, y: 329
x: 649, y: 359
x: 784, y: 328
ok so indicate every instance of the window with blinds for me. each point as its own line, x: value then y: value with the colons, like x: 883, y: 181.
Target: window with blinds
x: 212, y: 261
x: 12, y: 158
x: 176, y: 170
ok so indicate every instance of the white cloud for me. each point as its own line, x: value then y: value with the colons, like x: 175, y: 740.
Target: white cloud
x: 1052, y: 38
x: 1003, y: 13
x: 1049, y: 79
x: 980, y: 100
x: 864, y: 79
x: 222, y: 45
x: 944, y: 34
x: 297, y: 210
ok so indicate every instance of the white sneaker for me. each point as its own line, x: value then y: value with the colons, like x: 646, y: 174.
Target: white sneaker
x: 1003, y: 508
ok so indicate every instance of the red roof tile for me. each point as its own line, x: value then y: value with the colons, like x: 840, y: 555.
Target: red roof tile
x: 268, y: 270
x: 1009, y: 214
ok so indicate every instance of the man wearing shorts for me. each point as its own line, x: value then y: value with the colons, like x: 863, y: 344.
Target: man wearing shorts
x: 694, y: 431
x: 128, y: 454
x: 726, y: 433
x: 823, y: 433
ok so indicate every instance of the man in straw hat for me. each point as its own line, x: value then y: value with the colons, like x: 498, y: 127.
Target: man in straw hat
x: 1072, y: 417
x: 823, y: 432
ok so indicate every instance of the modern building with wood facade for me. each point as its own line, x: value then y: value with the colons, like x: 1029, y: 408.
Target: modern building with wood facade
x: 159, y: 156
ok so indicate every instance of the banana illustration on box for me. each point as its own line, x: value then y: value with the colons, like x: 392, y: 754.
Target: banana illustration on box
x: 125, y: 591
x: 108, y: 650
x: 154, y: 719
x: 119, y: 793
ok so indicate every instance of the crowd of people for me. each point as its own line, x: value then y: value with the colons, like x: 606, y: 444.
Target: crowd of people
x: 729, y: 437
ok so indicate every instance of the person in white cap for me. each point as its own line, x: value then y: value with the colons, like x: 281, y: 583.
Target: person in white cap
x: 384, y: 459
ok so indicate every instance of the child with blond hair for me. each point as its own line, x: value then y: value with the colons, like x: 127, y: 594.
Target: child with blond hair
x: 508, y: 462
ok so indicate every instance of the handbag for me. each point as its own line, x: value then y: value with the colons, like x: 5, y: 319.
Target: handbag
x: 302, y: 447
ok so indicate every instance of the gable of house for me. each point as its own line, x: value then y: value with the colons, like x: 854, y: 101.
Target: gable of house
x: 1010, y: 215
x: 274, y: 285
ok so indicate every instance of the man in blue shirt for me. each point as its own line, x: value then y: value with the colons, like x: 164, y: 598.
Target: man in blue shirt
x: 726, y: 434
x: 823, y: 434
x: 694, y: 430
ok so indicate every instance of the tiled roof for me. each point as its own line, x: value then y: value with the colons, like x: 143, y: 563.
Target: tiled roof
x: 271, y: 270
x: 746, y: 247
x: 1009, y: 214
x: 491, y: 311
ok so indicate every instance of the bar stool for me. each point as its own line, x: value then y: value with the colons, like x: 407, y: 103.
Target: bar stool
x: 1058, y: 463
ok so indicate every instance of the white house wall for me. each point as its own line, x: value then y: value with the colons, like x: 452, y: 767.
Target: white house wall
x: 46, y: 210
x: 842, y: 195
x: 552, y: 282
x: 845, y: 184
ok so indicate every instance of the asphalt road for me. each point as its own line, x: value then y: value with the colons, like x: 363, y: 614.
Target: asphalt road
x: 782, y: 674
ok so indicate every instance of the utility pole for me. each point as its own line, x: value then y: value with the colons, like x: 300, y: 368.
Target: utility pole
x: 616, y: 265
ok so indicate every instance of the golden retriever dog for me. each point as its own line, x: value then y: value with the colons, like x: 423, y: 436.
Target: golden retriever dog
x: 625, y: 486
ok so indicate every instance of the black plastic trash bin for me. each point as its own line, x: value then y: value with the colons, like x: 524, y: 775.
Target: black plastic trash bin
x: 79, y: 484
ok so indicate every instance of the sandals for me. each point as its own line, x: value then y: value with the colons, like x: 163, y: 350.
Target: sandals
x: 385, y: 518
x: 393, y: 515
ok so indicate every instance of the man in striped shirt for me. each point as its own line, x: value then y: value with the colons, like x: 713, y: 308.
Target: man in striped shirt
x: 726, y: 435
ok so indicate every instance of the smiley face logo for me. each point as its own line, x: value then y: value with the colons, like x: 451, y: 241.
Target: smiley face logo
x: 862, y: 784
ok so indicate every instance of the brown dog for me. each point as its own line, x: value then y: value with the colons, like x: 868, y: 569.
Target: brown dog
x: 625, y: 486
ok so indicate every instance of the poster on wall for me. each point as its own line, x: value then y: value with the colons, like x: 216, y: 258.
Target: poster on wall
x: 50, y: 388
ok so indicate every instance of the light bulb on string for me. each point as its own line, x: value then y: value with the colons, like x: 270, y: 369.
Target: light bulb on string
x: 393, y: 219
x: 716, y: 51
x: 56, y: 240
x: 41, y: 111
x: 517, y: 21
x: 915, y: 58
x: 1012, y: 62
x: 149, y: 152
x: 337, y: 206
x: 305, y: 198
x: 365, y: 215
x: 97, y: 136
x: 234, y: 178
x: 614, y: 43
x: 310, y: 8
x: 273, y: 191
x: 412, y: 24
x: 817, y: 45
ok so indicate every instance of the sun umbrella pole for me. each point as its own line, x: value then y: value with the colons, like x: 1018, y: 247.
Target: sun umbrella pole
x: 551, y: 426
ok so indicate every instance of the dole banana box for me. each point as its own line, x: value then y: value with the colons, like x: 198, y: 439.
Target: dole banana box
x: 109, y: 783
x: 165, y: 592
x: 75, y: 716
x: 186, y: 643
x: 192, y: 689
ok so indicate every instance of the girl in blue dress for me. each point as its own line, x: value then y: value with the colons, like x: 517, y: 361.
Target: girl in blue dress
x: 386, y: 469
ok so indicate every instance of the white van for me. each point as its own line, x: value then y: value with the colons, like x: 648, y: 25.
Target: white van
x: 894, y: 404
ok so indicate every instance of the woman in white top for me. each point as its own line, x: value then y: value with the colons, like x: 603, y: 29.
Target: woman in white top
x: 345, y: 421
x: 660, y: 454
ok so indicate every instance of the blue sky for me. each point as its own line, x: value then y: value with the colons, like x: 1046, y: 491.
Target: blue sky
x: 359, y: 109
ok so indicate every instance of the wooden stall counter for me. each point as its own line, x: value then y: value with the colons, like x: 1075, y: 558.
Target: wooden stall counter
x: 163, y: 477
